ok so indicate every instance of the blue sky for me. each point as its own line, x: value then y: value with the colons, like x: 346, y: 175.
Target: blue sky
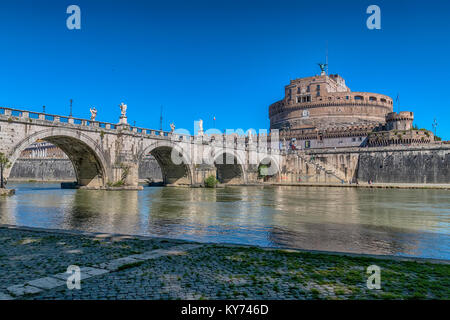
x: 228, y: 59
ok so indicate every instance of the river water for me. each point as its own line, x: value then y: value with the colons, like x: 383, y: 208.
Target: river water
x: 376, y: 221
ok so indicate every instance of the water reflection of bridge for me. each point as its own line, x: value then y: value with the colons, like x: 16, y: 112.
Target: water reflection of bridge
x: 372, y: 221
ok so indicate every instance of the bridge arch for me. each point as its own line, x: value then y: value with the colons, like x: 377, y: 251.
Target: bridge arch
x: 268, y: 168
x: 87, y: 158
x: 172, y: 172
x: 230, y: 167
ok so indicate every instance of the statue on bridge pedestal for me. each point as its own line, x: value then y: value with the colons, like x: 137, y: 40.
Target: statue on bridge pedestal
x: 93, y: 113
x: 123, y: 113
x: 172, y: 127
x: 250, y: 138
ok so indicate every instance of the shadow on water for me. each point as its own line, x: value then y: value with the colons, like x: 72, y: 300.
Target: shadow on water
x: 377, y: 221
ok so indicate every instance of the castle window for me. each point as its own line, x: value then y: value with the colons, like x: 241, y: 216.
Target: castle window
x: 318, y: 94
x: 318, y: 87
x: 308, y: 98
x: 346, y: 97
x: 383, y: 100
x: 372, y: 99
x: 359, y: 98
x: 307, y: 89
x: 298, y: 90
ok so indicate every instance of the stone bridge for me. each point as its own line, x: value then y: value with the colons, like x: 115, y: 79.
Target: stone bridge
x: 106, y: 154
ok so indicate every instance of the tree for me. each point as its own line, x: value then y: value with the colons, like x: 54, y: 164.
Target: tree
x: 4, y: 164
x: 211, y: 182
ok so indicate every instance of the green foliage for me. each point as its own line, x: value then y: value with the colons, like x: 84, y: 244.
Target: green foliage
x: 4, y: 161
x: 4, y: 164
x: 262, y: 170
x: 121, y: 182
x: 125, y: 171
x: 211, y: 182
x: 118, y: 183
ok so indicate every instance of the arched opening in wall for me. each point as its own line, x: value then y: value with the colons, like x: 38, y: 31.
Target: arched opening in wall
x: 228, y: 169
x: 46, y: 161
x: 268, y: 169
x: 149, y: 171
x: 171, y: 173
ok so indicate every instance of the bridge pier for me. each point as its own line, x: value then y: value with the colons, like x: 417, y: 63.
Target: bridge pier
x: 125, y: 174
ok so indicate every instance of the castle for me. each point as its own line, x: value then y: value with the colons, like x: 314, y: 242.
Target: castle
x: 322, y: 112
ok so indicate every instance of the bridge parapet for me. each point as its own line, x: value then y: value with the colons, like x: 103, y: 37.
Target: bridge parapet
x: 79, y: 123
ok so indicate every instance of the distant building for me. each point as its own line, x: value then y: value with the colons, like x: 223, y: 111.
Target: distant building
x: 322, y: 112
x: 43, y: 150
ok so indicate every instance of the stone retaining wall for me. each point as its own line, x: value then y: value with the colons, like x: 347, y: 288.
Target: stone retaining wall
x: 404, y: 164
x: 425, y: 166
x: 62, y: 170
x: 421, y: 164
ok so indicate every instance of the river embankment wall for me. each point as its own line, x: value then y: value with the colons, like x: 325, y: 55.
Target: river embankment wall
x: 428, y: 164
x: 49, y: 169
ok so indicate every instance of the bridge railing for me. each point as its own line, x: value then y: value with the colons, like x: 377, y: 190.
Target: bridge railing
x: 218, y: 140
x: 17, y: 114
x: 32, y: 115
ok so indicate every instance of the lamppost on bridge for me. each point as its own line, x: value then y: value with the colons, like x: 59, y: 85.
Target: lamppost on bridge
x: 434, y: 125
x: 70, y: 112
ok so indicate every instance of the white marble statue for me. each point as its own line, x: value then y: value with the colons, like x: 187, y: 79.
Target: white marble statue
x: 93, y: 113
x: 123, y: 113
x: 123, y: 110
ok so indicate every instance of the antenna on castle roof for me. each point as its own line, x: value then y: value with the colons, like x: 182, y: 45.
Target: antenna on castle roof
x: 326, y: 59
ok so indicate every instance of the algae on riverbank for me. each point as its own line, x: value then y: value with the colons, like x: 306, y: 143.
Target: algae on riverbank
x: 211, y: 271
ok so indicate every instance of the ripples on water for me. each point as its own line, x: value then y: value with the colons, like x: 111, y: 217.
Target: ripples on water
x: 376, y: 221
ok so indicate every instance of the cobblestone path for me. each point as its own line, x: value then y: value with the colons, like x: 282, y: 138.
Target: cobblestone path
x: 33, y: 265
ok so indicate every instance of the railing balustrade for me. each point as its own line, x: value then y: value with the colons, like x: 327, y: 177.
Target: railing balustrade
x: 54, y: 119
